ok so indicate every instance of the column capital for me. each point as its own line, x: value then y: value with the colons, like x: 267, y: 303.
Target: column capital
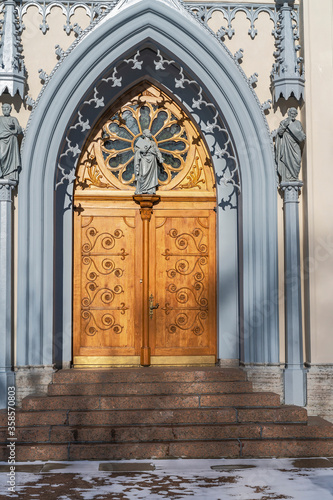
x: 290, y: 191
x: 146, y: 202
x: 6, y: 187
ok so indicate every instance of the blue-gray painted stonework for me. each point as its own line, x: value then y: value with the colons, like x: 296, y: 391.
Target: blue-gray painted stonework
x: 6, y: 373
x: 45, y: 214
x: 229, y: 10
x: 295, y: 375
x: 288, y: 157
x: 10, y: 159
x: 287, y: 73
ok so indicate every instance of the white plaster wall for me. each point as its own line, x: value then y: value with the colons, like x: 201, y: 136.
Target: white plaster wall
x: 318, y: 226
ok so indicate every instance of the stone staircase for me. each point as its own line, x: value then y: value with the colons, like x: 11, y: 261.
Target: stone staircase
x: 168, y: 412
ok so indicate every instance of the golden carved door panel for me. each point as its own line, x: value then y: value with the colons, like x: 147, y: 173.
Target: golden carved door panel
x: 183, y: 282
x: 108, y: 288
x: 106, y: 291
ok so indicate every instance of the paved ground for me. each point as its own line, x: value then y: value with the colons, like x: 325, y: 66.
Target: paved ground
x: 273, y: 479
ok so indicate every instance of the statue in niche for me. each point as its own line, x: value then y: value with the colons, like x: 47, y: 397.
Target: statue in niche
x: 10, y: 160
x: 146, y: 158
x: 290, y: 135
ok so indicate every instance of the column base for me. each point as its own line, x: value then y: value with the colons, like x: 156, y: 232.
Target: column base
x: 228, y: 363
x: 32, y: 380
x: 145, y: 356
x: 295, y: 386
x: 7, y: 379
x: 266, y: 378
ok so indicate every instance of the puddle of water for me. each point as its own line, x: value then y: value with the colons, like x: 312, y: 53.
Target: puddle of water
x: 35, y: 469
x: 126, y: 467
x: 312, y: 463
x: 54, y: 467
x: 232, y: 467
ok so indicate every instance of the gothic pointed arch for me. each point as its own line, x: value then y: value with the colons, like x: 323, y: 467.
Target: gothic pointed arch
x: 205, y: 77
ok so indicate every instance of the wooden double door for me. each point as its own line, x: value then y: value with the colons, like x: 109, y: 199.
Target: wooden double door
x: 144, y: 286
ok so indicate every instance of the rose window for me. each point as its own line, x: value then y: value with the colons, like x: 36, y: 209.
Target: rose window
x: 108, y: 159
x: 122, y: 132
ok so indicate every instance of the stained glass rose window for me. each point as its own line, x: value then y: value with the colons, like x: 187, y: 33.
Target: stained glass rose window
x: 122, y: 132
x: 107, y: 161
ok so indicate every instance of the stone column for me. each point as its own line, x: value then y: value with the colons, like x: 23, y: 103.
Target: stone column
x: 6, y: 373
x: 294, y: 373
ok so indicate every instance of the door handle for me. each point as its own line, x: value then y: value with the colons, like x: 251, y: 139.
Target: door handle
x: 151, y: 306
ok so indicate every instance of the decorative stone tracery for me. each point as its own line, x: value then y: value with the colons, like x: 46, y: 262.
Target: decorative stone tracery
x: 205, y: 12
x: 208, y: 119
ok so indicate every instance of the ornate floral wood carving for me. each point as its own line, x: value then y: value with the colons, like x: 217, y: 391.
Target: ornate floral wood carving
x: 190, y: 303
x: 98, y: 252
x: 195, y: 177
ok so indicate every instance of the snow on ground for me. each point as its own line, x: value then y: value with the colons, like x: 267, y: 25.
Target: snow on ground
x: 271, y: 479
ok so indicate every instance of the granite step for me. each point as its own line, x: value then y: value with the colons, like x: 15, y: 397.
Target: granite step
x: 135, y: 434
x: 268, y: 416
x: 314, y: 430
x: 286, y: 413
x: 150, y: 374
x: 150, y: 388
x: 38, y: 418
x: 286, y: 448
x: 229, y: 448
x: 150, y: 402
x: 29, y: 418
x: 148, y: 413
x: 192, y: 416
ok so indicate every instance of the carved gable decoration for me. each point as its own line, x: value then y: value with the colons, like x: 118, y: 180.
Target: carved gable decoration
x: 107, y: 162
